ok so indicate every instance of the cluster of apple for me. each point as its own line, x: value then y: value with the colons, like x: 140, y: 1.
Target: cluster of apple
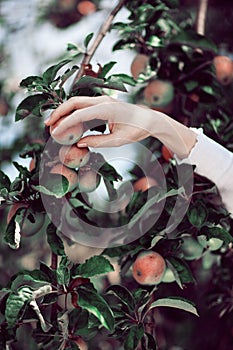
x: 73, y: 161
x: 159, y: 94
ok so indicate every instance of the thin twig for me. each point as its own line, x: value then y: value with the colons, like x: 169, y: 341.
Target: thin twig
x: 201, y: 17
x: 101, y: 34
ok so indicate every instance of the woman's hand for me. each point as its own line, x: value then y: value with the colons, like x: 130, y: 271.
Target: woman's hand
x: 127, y: 122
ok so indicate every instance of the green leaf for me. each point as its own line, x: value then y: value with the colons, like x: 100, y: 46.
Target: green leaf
x: 123, y: 78
x: 175, y: 302
x: 218, y: 232
x: 133, y: 337
x: 31, y: 106
x: 15, y: 303
x: 22, y: 169
x: 12, y: 235
x: 55, y: 242
x: 88, y: 81
x: 71, y: 46
x: 94, y: 266
x: 4, y: 181
x: 148, y: 342
x: 115, y: 83
x: 31, y: 82
x: 88, y: 39
x: 91, y: 301
x: 33, y: 279
x: 158, y: 197
x: 123, y: 294
x: 191, y: 38
x: 55, y: 185
x: 106, y: 68
x: 180, y: 270
x: 197, y: 215
x: 63, y: 271
x: 50, y: 74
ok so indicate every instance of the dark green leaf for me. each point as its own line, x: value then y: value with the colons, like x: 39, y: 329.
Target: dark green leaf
x: 91, y: 301
x: 133, y: 337
x: 94, y: 266
x: 106, y: 68
x: 148, y: 342
x: 4, y: 181
x: 15, y: 302
x: 22, y: 169
x: 123, y: 294
x: 218, y: 232
x: 180, y: 270
x: 116, y: 83
x: 12, y: 235
x: 31, y: 82
x: 197, y: 215
x: 191, y: 38
x: 123, y: 78
x: 31, y: 106
x: 55, y: 242
x: 63, y: 271
x: 88, y: 39
x: 50, y: 74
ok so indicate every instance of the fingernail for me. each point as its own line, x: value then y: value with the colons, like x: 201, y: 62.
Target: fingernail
x: 82, y: 144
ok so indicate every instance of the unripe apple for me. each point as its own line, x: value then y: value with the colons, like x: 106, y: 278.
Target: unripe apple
x: 223, y: 69
x: 191, y: 249
x: 158, y: 94
x: 144, y: 183
x: 139, y: 65
x: 70, y: 135
x: 88, y: 179
x: 68, y: 173
x: 74, y: 157
x: 149, y: 268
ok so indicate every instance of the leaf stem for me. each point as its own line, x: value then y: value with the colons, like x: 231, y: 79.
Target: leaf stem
x: 101, y: 34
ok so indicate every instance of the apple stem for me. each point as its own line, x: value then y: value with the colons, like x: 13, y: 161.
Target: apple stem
x: 201, y: 17
x: 101, y: 34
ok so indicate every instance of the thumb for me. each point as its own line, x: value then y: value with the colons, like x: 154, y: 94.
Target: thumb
x: 99, y: 141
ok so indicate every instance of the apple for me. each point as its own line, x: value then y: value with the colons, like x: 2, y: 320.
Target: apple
x: 139, y: 65
x: 159, y: 94
x: 70, y: 174
x: 70, y: 136
x: 88, y: 179
x: 74, y: 157
x: 149, y: 268
x: 144, y: 183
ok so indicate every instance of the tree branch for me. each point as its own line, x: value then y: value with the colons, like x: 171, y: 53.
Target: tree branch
x: 101, y: 34
x: 201, y: 17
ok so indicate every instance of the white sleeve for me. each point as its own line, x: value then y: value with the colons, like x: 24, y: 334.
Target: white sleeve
x: 214, y: 162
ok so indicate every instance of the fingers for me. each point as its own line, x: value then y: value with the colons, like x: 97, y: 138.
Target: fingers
x: 84, y: 115
x: 75, y: 103
x: 100, y: 141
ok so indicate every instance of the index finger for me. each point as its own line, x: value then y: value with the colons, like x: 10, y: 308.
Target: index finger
x: 74, y: 103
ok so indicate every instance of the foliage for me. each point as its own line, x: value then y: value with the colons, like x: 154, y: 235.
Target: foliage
x: 57, y: 303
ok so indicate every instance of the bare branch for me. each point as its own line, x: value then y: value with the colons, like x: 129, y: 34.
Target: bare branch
x: 201, y: 17
x: 101, y: 34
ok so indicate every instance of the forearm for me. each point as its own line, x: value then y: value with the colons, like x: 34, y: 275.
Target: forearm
x: 215, y: 163
x: 176, y: 136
